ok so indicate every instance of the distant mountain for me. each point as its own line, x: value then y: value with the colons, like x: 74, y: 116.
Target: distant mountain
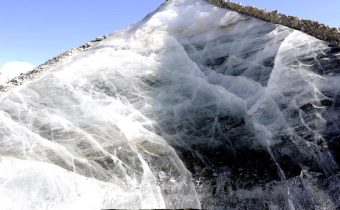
x: 195, y: 106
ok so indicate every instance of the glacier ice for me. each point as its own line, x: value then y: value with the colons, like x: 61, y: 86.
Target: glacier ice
x: 193, y: 107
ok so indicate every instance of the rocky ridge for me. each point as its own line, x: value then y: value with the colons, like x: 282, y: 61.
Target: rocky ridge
x: 313, y: 28
x: 39, y: 70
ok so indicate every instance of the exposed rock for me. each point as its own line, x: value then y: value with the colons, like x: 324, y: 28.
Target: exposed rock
x: 39, y: 70
x: 100, y: 38
x: 310, y: 27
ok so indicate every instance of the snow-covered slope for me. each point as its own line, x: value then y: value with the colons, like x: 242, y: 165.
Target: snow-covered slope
x: 193, y: 107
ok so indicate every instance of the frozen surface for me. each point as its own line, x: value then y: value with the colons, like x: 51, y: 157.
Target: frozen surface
x: 195, y: 106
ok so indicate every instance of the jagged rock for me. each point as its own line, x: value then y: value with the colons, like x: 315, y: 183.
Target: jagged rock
x: 327, y: 33
x: 100, y: 38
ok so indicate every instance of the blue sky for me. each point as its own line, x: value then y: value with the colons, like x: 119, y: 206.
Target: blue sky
x: 36, y: 30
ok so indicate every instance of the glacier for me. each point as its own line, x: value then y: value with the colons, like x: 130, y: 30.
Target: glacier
x: 194, y: 107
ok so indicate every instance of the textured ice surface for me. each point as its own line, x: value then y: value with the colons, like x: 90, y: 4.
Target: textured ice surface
x: 195, y: 106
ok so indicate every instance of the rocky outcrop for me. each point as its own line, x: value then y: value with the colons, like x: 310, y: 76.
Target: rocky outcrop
x: 313, y: 28
x: 39, y: 70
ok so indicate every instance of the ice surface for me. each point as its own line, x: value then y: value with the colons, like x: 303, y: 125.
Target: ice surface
x: 194, y: 106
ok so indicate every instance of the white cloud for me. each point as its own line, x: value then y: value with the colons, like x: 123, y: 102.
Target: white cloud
x: 13, y: 69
